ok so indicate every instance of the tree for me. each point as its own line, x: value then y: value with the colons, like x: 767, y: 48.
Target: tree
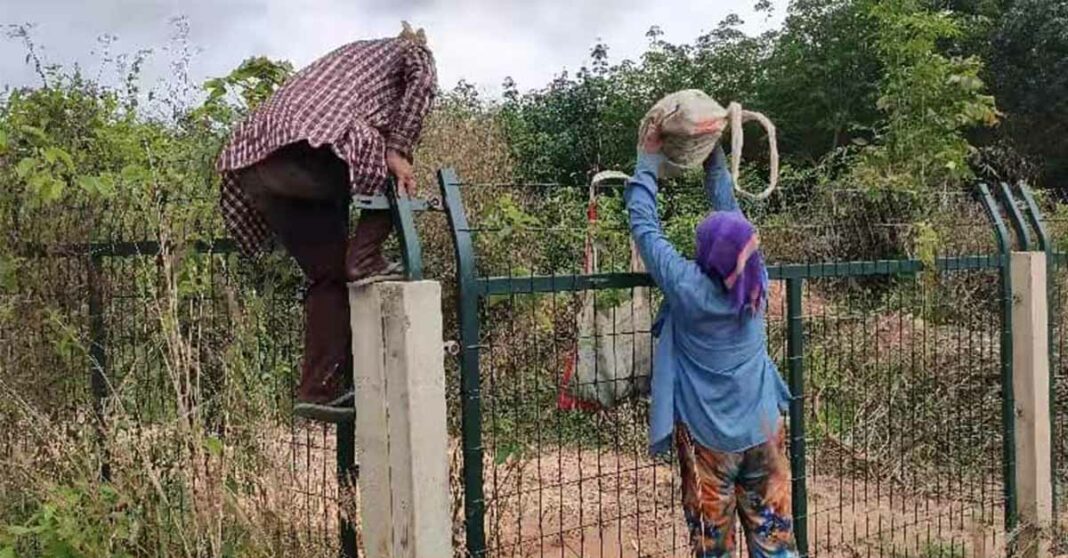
x: 1029, y: 72
x: 929, y: 101
x: 823, y: 77
x: 578, y: 125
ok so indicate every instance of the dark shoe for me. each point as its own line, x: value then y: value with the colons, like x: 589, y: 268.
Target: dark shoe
x: 391, y: 271
x: 341, y: 409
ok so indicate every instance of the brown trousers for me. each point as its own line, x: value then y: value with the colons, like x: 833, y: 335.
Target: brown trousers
x: 304, y: 195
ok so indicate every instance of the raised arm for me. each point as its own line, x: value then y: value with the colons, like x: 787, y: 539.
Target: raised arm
x: 662, y: 260
x: 421, y: 79
x: 719, y: 186
x: 684, y: 285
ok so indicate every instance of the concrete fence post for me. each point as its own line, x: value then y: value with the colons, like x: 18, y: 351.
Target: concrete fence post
x: 401, y: 433
x: 1030, y: 382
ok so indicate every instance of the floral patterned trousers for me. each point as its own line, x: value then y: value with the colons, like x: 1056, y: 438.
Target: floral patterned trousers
x: 753, y: 485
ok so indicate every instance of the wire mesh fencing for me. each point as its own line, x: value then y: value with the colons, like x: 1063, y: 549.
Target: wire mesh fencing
x: 172, y: 363
x: 1056, y: 228
x: 897, y: 434
x: 140, y: 351
x: 903, y: 422
x: 559, y: 482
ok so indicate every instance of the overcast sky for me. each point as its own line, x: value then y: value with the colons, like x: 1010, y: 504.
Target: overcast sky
x: 481, y: 41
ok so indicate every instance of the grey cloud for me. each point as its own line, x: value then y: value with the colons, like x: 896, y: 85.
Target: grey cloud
x: 68, y: 31
x: 479, y: 40
x: 400, y: 6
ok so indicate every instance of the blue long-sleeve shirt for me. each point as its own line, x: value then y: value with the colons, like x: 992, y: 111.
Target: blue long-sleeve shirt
x: 711, y: 368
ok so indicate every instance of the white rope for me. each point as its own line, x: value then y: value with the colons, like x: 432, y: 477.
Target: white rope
x: 736, y: 117
x: 636, y: 264
x: 605, y: 176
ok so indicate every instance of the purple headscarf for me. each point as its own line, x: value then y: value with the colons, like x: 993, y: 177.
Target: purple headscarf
x: 728, y: 249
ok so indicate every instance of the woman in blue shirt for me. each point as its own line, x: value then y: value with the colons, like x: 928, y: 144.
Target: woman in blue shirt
x: 714, y: 386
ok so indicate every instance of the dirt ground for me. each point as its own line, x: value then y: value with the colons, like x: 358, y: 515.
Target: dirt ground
x: 598, y: 504
x: 629, y: 510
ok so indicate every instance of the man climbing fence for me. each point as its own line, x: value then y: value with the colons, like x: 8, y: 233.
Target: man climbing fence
x: 334, y: 130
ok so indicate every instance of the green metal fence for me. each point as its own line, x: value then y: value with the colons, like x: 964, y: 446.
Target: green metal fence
x: 1058, y: 277
x: 90, y: 315
x: 149, y: 318
x: 897, y: 350
x: 1040, y: 227
x: 1052, y: 237
x: 900, y: 366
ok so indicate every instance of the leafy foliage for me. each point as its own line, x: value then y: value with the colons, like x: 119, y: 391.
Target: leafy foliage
x: 929, y: 99
x: 1029, y: 73
x: 252, y: 83
x: 822, y: 77
x: 578, y: 126
x: 82, y: 522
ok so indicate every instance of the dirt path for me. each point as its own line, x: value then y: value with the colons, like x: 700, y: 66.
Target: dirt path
x: 599, y: 504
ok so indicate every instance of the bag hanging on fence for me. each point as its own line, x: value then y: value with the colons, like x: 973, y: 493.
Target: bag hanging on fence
x: 612, y: 359
x: 691, y: 124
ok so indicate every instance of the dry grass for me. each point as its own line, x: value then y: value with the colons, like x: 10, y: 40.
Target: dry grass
x: 199, y: 465
x: 202, y: 460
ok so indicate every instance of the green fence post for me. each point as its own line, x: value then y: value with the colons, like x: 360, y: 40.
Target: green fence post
x: 1034, y: 217
x: 347, y: 474
x: 404, y: 221
x: 98, y: 382
x: 1008, y: 445
x: 470, y: 384
x: 1023, y: 236
x: 795, y: 361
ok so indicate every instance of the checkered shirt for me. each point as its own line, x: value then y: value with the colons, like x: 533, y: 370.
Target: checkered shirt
x: 360, y: 99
